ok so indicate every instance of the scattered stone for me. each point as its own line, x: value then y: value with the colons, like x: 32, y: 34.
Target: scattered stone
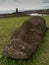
x: 25, y: 39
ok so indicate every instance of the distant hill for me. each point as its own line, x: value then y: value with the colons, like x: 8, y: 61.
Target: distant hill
x: 22, y: 13
x: 7, y: 11
x: 44, y: 11
x: 10, y: 11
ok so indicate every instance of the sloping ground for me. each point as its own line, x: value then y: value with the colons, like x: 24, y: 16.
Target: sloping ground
x: 40, y: 57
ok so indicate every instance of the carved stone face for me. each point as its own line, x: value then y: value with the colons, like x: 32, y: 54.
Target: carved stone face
x: 25, y: 39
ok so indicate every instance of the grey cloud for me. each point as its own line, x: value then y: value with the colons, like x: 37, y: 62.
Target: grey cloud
x: 17, y: 0
x: 45, y: 1
x: 23, y: 4
x: 1, y: 1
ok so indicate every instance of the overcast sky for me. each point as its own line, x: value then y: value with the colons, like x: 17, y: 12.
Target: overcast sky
x: 23, y: 4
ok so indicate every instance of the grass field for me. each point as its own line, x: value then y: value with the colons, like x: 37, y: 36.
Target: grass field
x: 7, y: 27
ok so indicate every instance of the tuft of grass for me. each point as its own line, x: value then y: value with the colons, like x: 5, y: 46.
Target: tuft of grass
x: 41, y: 55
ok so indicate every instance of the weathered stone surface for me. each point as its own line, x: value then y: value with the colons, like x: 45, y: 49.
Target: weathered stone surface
x: 25, y: 39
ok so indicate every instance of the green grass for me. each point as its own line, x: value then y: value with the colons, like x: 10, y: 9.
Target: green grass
x: 41, y: 55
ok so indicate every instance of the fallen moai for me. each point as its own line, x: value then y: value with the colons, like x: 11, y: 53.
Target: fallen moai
x: 25, y: 39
